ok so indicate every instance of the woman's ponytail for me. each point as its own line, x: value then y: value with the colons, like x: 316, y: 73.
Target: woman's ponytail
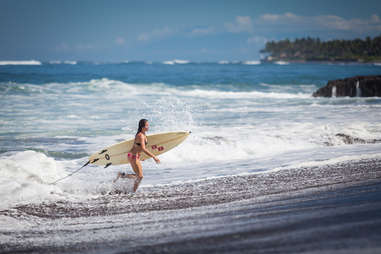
x: 142, y: 123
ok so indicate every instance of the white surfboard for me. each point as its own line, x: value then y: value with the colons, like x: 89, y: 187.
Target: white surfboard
x: 157, y: 144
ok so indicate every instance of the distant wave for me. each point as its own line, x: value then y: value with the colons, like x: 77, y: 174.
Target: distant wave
x: 254, y: 62
x: 128, y: 89
x: 124, y: 89
x: 70, y: 62
x: 63, y: 62
x: 215, y: 94
x: 176, y: 61
x: 30, y: 62
x: 251, y: 62
x: 377, y: 64
x: 281, y: 62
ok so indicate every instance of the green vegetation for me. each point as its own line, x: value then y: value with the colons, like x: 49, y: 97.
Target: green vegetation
x: 313, y: 49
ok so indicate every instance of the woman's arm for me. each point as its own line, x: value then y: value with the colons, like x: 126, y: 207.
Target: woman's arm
x: 145, y: 150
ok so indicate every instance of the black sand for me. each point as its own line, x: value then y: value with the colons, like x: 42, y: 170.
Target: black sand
x: 327, y: 209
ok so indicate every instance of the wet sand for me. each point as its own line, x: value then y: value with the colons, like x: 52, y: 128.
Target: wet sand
x: 327, y: 209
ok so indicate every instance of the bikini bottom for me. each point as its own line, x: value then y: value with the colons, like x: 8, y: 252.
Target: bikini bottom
x: 133, y: 156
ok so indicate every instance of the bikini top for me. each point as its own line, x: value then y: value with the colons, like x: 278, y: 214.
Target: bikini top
x: 145, y: 141
x: 141, y: 144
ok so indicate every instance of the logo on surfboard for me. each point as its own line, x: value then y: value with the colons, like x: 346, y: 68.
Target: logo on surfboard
x: 160, y: 148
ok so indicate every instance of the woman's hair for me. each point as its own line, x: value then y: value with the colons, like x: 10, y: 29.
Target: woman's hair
x: 142, y: 123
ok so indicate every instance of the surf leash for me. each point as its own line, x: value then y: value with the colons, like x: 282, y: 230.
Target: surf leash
x: 72, y: 173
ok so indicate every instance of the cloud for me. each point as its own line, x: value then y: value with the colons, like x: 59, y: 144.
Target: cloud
x: 241, y: 24
x: 75, y: 47
x: 257, y: 40
x: 322, y: 22
x: 84, y: 46
x: 156, y: 34
x: 375, y: 19
x: 339, y: 23
x: 63, y: 46
x: 120, y: 41
x: 202, y: 31
x: 288, y: 16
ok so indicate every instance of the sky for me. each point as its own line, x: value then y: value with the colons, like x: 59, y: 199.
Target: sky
x: 113, y: 30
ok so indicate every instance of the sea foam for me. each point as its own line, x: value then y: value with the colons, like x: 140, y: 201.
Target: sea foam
x: 25, y: 178
x: 255, y: 62
x: 31, y: 62
x: 281, y: 62
x: 176, y: 61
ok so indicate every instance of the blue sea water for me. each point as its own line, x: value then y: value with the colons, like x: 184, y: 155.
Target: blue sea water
x: 244, y: 118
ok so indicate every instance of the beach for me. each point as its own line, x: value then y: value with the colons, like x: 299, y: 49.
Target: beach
x: 323, y: 209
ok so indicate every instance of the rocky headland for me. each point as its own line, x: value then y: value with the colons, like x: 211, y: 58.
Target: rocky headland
x: 358, y: 86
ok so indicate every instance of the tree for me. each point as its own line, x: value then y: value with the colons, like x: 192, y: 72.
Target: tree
x: 314, y: 49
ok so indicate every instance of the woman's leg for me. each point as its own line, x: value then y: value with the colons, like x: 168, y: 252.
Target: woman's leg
x: 137, y: 167
x: 131, y: 160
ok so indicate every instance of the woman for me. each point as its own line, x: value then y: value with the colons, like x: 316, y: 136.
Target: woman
x: 134, y: 154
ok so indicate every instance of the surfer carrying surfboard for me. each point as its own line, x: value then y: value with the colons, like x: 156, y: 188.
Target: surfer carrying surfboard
x: 134, y: 154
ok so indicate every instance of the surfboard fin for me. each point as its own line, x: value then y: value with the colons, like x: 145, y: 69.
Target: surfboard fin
x: 95, y: 160
x: 108, y: 164
x: 103, y: 151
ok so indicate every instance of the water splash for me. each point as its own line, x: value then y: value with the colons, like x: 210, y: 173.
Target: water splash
x: 358, y: 89
x: 334, y: 91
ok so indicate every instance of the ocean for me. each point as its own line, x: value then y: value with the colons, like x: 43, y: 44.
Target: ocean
x: 246, y: 118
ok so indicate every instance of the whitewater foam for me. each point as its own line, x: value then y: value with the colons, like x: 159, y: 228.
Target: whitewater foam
x: 28, y: 177
x: 70, y: 62
x: 24, y: 178
x: 331, y: 161
x: 176, y: 61
x: 30, y: 62
x: 240, y: 95
x: 281, y: 62
x: 255, y: 62
x: 122, y: 89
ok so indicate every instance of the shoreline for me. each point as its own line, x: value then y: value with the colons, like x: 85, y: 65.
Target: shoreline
x: 323, y: 62
x: 326, y: 208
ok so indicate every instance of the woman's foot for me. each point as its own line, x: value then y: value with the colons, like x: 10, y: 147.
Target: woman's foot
x: 117, y: 177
